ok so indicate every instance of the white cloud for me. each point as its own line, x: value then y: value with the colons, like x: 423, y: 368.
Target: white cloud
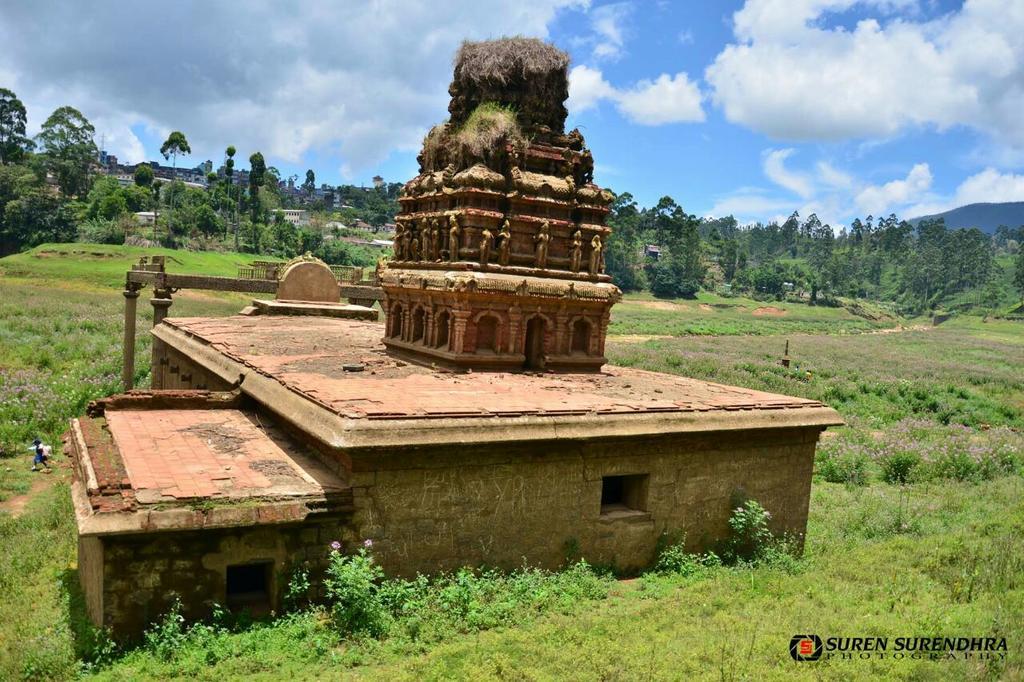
x: 879, y: 199
x: 832, y: 176
x: 666, y: 99
x: 587, y: 87
x: 607, y: 22
x: 792, y: 76
x: 774, y: 167
x: 990, y: 186
x: 284, y: 79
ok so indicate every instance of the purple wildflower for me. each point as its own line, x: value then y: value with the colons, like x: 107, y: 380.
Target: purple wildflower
x: 336, y: 545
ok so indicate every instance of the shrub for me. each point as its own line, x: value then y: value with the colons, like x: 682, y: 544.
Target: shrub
x: 168, y: 635
x: 749, y: 535
x: 899, y: 467
x: 848, y: 465
x: 352, y: 584
x: 674, y: 559
x: 296, y: 593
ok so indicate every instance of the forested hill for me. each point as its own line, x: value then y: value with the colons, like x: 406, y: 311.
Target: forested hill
x: 985, y: 217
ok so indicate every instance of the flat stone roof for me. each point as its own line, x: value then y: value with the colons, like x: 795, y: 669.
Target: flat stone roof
x: 340, y: 366
x: 146, y: 466
x: 182, y: 454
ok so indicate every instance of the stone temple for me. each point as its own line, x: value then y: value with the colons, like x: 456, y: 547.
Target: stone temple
x: 499, y: 249
x: 486, y: 427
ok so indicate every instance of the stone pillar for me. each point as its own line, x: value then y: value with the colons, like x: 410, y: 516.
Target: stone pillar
x: 131, y: 297
x: 563, y: 334
x: 161, y: 302
x: 516, y: 333
x: 602, y: 331
x: 459, y: 323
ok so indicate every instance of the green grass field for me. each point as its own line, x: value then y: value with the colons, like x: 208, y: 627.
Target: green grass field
x: 714, y: 315
x: 939, y: 554
x: 104, y: 265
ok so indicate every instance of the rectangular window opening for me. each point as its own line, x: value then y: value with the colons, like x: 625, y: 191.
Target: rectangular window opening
x: 624, y: 493
x: 247, y: 587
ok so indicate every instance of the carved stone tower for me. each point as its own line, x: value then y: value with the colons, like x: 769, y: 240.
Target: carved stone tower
x: 499, y: 246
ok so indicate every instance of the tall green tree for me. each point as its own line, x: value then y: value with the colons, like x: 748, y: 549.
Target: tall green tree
x: 174, y: 145
x: 309, y: 186
x: 143, y: 175
x: 257, y: 175
x: 229, y: 174
x: 67, y: 141
x: 13, y: 117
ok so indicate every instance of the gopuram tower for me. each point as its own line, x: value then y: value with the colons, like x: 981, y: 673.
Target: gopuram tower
x: 500, y: 242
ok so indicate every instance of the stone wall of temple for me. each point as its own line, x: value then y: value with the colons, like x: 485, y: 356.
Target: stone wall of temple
x: 499, y: 506
x: 143, y: 574
x: 174, y: 370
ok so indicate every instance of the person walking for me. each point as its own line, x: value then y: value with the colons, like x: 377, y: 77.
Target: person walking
x: 41, y: 461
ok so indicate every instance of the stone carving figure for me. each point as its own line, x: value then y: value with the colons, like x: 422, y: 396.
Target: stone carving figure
x: 428, y: 242
x: 486, y: 244
x: 403, y: 246
x: 414, y: 248
x: 505, y: 245
x: 542, y: 239
x: 436, y: 239
x: 399, y: 231
x: 453, y: 238
x: 576, y: 256
x: 596, y: 255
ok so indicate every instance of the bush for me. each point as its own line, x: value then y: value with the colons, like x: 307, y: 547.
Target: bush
x: 101, y: 231
x: 168, y: 635
x: 674, y: 559
x: 749, y: 535
x: 899, y: 467
x: 848, y: 466
x: 352, y: 584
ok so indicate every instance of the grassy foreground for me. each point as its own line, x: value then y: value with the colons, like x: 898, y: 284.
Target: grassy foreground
x: 937, y: 559
x: 940, y: 554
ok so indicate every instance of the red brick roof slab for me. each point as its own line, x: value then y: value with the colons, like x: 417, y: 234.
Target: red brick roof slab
x: 308, y: 355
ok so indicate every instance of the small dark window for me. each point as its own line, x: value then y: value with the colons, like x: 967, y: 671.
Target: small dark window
x: 248, y: 587
x: 624, y: 493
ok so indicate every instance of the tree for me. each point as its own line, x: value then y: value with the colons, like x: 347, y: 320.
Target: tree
x: 257, y: 173
x: 143, y: 175
x: 157, y: 184
x: 175, y: 144
x: 13, y: 117
x: 692, y: 269
x: 309, y: 186
x: 67, y: 141
x: 730, y: 253
x: 229, y: 173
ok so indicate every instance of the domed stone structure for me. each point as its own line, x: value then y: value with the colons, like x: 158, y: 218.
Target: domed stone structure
x: 499, y: 251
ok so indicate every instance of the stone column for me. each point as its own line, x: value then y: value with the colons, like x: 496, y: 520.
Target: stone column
x: 161, y: 302
x: 516, y: 334
x: 603, y: 330
x: 562, y: 335
x: 131, y: 297
x: 459, y: 323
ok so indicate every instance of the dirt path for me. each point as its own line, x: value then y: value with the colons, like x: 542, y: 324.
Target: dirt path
x: 16, y: 505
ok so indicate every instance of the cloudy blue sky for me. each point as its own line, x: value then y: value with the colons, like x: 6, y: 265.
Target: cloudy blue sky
x: 754, y: 108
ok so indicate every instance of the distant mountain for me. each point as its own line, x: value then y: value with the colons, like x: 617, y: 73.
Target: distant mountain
x: 985, y: 217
